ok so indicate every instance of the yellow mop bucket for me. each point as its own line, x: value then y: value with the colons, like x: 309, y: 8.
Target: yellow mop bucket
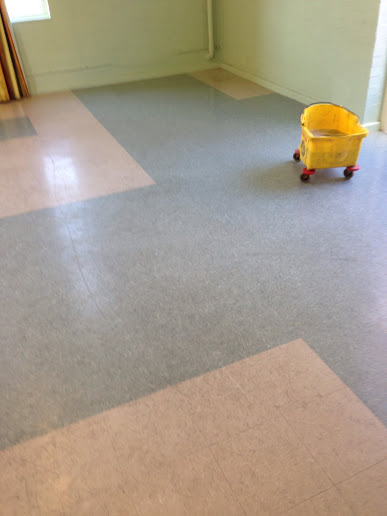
x: 331, y: 137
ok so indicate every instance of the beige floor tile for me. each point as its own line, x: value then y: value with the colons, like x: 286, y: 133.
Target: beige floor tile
x: 192, y: 486
x: 213, y: 76
x: 270, y: 454
x: 230, y: 84
x: 14, y: 498
x: 285, y: 374
x: 268, y: 470
x: 70, y: 471
x: 88, y: 469
x: 340, y: 431
x: 28, y: 180
x: 240, y: 89
x: 156, y: 430
x: 328, y: 503
x: 73, y: 158
x: 366, y: 492
x: 219, y: 407
x: 106, y: 503
x: 28, y: 479
x: 59, y: 114
x: 19, y: 151
x: 72, y: 187
x: 85, y: 146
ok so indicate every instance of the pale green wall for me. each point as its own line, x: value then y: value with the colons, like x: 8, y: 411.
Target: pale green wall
x: 307, y: 49
x: 92, y: 42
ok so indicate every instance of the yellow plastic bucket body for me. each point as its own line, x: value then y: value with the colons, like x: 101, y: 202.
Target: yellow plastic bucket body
x: 331, y: 136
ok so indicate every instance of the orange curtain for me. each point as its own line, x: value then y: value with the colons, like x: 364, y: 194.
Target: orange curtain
x: 12, y: 82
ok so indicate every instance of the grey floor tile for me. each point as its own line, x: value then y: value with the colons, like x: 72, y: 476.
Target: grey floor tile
x: 227, y: 255
x: 16, y: 128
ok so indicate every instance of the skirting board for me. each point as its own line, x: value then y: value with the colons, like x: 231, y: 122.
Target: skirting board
x: 269, y: 85
x: 373, y: 127
x: 110, y: 74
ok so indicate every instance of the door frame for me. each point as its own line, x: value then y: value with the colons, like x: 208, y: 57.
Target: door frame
x: 383, y: 118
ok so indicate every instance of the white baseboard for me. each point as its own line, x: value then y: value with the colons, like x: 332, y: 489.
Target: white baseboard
x: 269, y: 85
x: 110, y: 74
x: 373, y: 127
x: 90, y: 77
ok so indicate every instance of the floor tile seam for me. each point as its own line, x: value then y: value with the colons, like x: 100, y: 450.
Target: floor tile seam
x: 56, y: 174
x: 23, y: 462
x: 347, y: 388
x: 171, y: 462
x: 300, y: 447
x: 316, y: 396
x: 28, y: 494
x: 315, y: 458
x: 251, y: 428
x: 351, y: 477
x: 207, y: 442
x: 54, y: 467
x: 81, y: 478
x: 233, y: 379
x: 92, y: 297
x: 118, y: 461
x: 305, y: 447
x: 228, y: 482
x: 184, y: 399
x: 249, y: 396
x: 315, y: 496
x: 192, y: 413
x: 362, y: 471
x: 308, y: 450
x: 64, y: 218
x: 292, y: 402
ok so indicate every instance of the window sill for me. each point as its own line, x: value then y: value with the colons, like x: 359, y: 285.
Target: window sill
x: 31, y: 18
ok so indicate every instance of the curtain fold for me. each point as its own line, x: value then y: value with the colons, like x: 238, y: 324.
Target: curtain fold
x: 12, y: 81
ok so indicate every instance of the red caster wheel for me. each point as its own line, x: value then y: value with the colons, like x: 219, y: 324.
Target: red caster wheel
x: 296, y: 155
x: 348, y: 172
x: 305, y: 176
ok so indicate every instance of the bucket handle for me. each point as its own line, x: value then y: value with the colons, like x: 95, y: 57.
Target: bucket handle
x: 302, y: 117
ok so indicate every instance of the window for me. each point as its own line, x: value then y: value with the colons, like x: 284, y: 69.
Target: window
x: 27, y: 10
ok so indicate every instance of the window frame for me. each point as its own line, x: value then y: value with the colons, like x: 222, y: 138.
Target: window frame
x: 43, y: 15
